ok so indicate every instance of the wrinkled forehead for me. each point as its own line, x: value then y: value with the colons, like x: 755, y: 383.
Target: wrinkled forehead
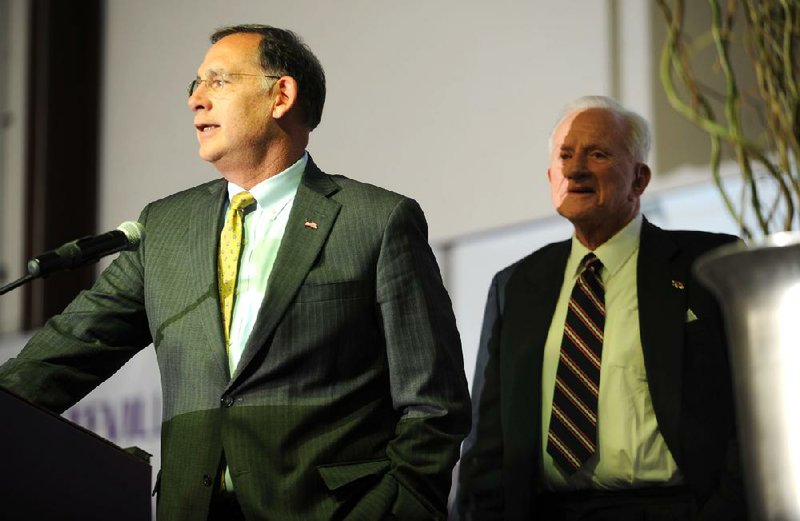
x: 233, y: 53
x: 562, y: 128
x: 597, y: 123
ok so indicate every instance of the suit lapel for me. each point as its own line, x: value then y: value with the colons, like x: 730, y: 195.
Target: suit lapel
x: 662, y: 316
x: 310, y: 222
x: 204, y: 226
x: 533, y: 294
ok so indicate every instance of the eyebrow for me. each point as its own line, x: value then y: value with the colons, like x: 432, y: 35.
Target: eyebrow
x: 212, y: 72
x: 588, y: 146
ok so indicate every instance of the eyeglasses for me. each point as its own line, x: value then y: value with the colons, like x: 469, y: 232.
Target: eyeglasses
x: 217, y: 81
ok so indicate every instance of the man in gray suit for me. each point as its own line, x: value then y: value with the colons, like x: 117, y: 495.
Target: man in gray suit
x: 332, y: 387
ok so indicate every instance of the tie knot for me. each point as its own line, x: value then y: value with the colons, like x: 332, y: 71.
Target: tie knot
x: 242, y: 200
x: 592, y: 263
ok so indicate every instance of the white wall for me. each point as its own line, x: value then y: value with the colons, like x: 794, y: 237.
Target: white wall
x: 13, y: 76
x: 448, y: 101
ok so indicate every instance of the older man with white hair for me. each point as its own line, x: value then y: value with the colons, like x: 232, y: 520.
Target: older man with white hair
x: 604, y: 390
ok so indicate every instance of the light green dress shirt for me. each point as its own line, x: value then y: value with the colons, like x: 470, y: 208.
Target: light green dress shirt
x: 264, y: 226
x: 631, y: 451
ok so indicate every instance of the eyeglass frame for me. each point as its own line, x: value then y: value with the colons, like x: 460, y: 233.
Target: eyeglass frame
x: 195, y: 83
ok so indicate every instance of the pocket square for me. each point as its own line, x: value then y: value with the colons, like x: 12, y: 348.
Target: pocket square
x: 690, y: 316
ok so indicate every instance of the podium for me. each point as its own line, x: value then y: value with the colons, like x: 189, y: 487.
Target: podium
x: 54, y: 469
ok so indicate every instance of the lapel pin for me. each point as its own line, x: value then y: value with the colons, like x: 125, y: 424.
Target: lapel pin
x: 310, y: 224
x: 677, y: 284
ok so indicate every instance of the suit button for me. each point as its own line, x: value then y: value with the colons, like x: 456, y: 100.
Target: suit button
x: 227, y: 401
x: 207, y: 481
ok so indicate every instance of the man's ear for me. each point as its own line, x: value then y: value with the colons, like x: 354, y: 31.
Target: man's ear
x: 285, y: 91
x: 641, y: 178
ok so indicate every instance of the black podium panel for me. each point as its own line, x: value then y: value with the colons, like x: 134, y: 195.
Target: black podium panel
x: 54, y: 469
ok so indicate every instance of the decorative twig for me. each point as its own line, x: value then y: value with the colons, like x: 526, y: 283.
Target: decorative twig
x: 772, y: 35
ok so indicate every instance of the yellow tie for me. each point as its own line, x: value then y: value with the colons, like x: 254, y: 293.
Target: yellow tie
x: 230, y: 247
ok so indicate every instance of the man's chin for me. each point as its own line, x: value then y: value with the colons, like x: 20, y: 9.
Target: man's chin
x: 208, y: 155
x: 571, y: 209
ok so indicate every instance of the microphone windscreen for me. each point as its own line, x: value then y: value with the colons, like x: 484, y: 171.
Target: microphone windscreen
x: 134, y: 231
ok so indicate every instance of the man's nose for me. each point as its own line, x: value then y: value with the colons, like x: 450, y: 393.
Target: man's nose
x: 576, y: 168
x: 198, y: 100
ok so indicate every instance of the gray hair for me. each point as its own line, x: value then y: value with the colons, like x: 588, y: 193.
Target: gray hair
x: 638, y: 137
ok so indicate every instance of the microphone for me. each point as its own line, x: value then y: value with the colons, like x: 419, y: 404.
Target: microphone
x: 87, y: 250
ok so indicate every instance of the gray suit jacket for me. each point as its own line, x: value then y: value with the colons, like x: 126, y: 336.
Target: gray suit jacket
x: 687, y: 369
x: 350, y: 400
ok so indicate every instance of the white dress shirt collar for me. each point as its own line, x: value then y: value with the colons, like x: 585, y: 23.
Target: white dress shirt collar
x: 613, y: 253
x: 276, y: 188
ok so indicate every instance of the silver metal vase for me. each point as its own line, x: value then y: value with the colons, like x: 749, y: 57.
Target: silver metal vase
x: 758, y: 287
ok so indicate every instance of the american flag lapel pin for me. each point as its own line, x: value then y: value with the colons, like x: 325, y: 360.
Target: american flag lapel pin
x: 310, y: 224
x: 677, y: 284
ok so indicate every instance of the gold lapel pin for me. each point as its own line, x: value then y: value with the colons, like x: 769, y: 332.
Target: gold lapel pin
x: 677, y: 284
x: 310, y: 224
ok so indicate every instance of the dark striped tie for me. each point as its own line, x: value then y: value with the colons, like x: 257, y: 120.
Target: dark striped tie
x: 572, y: 437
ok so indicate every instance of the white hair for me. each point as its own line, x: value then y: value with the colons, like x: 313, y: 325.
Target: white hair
x: 638, y: 137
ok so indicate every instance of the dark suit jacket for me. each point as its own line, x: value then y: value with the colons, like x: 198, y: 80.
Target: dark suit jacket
x: 687, y: 371
x: 350, y: 399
